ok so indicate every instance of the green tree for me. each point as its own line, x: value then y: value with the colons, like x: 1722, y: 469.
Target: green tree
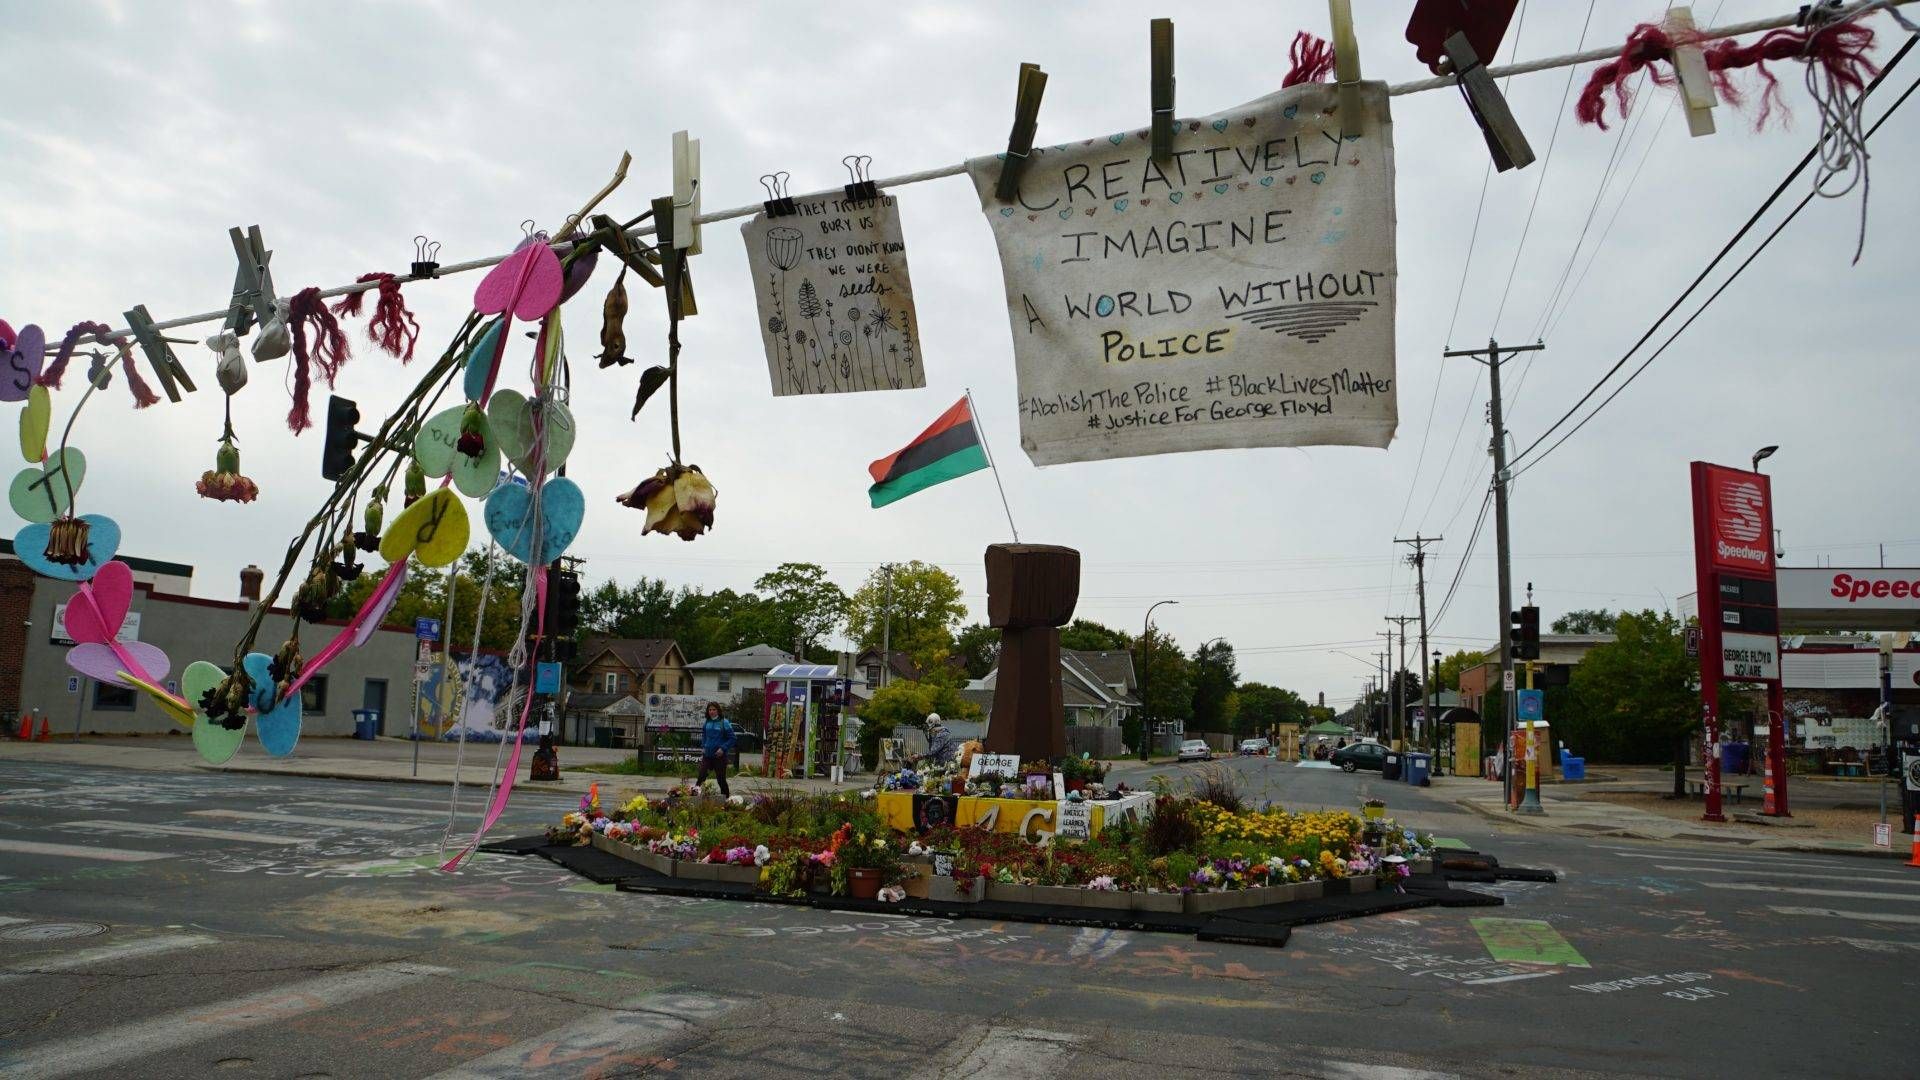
x: 917, y: 612
x: 1168, y: 678
x: 1586, y: 621
x: 806, y: 606
x: 907, y: 703
x: 1637, y: 694
x: 978, y: 646
x: 1452, y: 665
x: 1089, y: 636
x: 1263, y: 707
x: 1214, y: 676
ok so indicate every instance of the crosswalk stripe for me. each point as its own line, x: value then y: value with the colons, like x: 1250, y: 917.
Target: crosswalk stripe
x: 1013, y: 1053
x: 612, y: 1038
x: 370, y: 808
x: 1912, y: 897
x: 1747, y: 859
x: 144, y: 1039
x: 8, y: 920
x: 80, y: 851
x: 104, y: 954
x: 1863, y: 916
x: 1881, y: 877
x: 185, y: 830
x: 1359, y: 1070
x: 295, y: 819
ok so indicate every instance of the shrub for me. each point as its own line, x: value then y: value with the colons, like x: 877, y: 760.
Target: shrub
x: 1215, y: 785
x: 1171, y: 829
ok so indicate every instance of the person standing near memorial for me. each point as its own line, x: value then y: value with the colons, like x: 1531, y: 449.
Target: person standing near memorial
x: 717, y: 739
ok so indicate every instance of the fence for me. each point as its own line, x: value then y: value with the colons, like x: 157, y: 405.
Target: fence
x: 1101, y: 742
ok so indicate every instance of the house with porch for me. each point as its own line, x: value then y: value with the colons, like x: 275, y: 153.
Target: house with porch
x: 632, y: 666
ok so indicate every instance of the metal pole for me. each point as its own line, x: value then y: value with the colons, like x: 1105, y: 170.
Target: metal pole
x: 886, y: 626
x: 78, y: 707
x: 1146, y: 662
x: 413, y: 712
x: 981, y: 431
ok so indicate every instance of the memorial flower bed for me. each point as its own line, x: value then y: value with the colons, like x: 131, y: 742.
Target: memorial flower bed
x: 1187, y: 854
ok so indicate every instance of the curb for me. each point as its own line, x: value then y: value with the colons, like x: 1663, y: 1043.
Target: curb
x: 1802, y: 847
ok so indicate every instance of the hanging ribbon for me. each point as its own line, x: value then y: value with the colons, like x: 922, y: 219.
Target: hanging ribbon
x: 143, y: 394
x: 330, y: 351
x: 393, y: 328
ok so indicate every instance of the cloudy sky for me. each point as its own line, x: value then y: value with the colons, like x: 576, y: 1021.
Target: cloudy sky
x: 135, y: 133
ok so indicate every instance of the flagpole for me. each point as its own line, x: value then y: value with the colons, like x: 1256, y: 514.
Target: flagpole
x: 982, y: 432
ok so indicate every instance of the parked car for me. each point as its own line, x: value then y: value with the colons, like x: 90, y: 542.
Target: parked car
x: 1195, y: 750
x: 1366, y: 755
x: 1255, y: 747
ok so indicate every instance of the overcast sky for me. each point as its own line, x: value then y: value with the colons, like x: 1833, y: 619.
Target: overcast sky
x: 134, y: 134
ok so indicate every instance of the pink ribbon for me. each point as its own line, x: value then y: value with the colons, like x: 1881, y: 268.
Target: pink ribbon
x: 395, y: 575
x: 500, y: 794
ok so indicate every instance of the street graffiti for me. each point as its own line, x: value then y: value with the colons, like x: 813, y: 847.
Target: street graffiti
x: 1678, y: 978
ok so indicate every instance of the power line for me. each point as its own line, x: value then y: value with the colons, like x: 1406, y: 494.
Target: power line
x: 1460, y: 572
x: 1724, y: 251
x: 1795, y: 212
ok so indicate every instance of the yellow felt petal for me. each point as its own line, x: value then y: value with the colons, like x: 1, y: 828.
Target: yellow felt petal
x: 178, y: 711
x: 34, y: 420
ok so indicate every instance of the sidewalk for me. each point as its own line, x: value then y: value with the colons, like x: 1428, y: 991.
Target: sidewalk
x: 1568, y: 812
x: 381, y: 760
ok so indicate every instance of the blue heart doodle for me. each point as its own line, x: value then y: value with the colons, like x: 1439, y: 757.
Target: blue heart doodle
x: 1176, y: 196
x: 1006, y: 211
x: 1120, y: 205
x: 1290, y: 111
x: 1117, y: 139
x: 1319, y: 176
x: 1266, y: 181
x: 103, y: 542
x: 1219, y: 189
x: 1065, y: 214
x: 1220, y: 125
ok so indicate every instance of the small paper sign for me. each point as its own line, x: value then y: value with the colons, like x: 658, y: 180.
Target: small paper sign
x: 1075, y: 821
x: 942, y: 864
x: 1004, y: 764
x: 1883, y: 835
x: 836, y: 307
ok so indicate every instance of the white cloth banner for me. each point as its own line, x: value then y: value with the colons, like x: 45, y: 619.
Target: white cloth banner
x: 836, y: 306
x: 1241, y: 294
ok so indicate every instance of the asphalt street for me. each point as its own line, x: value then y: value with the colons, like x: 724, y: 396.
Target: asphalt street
x: 163, y: 924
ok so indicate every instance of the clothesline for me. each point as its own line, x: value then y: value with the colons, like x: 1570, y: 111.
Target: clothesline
x: 1416, y: 86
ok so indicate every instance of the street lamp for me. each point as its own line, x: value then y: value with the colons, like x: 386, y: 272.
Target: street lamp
x: 1146, y: 646
x: 1761, y: 455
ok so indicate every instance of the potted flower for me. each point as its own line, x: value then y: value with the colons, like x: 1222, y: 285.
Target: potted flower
x: 871, y: 862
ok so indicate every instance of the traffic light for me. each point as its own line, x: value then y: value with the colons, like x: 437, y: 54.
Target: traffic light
x: 1526, y: 633
x: 336, y: 456
x: 562, y: 616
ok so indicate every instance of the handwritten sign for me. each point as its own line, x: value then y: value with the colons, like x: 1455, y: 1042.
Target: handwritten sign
x: 1002, y: 764
x: 1076, y: 821
x: 1240, y: 294
x: 836, y: 307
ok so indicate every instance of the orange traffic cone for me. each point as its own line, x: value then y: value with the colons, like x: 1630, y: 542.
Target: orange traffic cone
x: 46, y: 731
x: 1915, y: 860
x: 25, y: 730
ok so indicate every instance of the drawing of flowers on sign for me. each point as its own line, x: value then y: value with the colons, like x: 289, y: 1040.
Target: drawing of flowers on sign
x: 835, y: 300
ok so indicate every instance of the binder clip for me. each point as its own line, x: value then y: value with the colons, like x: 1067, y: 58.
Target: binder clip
x: 1026, y: 119
x: 1160, y: 36
x: 426, y: 256
x: 860, y: 186
x: 166, y: 366
x: 252, y: 281
x: 779, y: 203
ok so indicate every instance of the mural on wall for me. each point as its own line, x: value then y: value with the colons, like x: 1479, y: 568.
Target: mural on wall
x: 469, y: 692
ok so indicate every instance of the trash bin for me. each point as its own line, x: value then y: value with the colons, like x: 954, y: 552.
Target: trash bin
x: 1390, y: 769
x: 1733, y: 757
x: 603, y: 738
x: 1419, y: 769
x: 366, y: 723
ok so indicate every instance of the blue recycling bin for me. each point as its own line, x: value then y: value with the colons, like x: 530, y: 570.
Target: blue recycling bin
x: 1733, y: 757
x: 366, y: 723
x: 1420, y: 770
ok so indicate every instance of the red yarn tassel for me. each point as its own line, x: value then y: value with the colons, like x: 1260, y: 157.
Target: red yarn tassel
x: 51, y: 377
x: 393, y: 327
x: 1312, y: 60
x: 1647, y: 43
x: 143, y: 394
x: 350, y: 303
x: 1841, y: 49
x: 330, y: 351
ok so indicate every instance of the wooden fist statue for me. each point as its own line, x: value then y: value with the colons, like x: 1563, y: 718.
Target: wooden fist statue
x: 1031, y: 593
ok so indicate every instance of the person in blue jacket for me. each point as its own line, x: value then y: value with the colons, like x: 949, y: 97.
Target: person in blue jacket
x: 716, y: 745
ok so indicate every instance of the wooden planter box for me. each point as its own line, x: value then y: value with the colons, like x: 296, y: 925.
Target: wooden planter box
x: 659, y: 864
x: 697, y: 871
x: 1203, y: 903
x: 1010, y: 894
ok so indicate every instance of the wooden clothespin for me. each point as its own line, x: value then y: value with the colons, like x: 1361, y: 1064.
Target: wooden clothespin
x: 636, y: 255
x: 673, y: 258
x: 1505, y: 141
x: 166, y: 366
x: 1696, y: 85
x: 252, y: 281
x: 1346, y: 65
x: 1160, y: 37
x: 686, y: 193
x: 1026, y: 120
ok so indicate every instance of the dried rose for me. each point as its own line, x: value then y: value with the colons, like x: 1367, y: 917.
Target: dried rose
x: 678, y: 499
x: 223, y: 482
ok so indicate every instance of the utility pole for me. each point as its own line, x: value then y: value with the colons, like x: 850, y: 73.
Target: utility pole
x: 1419, y: 561
x: 1491, y: 356
x: 1386, y: 697
x: 1401, y: 621
x: 886, y: 625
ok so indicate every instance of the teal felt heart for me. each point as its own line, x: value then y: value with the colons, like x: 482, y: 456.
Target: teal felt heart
x: 276, y: 722
x: 1319, y: 176
x: 1220, y: 125
x: 1039, y: 262
x: 510, y: 508
x: 1120, y: 205
x: 103, y: 543
x: 1006, y: 211
x: 1266, y: 181
x: 480, y: 361
x: 1290, y: 111
x: 1219, y: 189
x: 1117, y: 139
x: 1176, y: 196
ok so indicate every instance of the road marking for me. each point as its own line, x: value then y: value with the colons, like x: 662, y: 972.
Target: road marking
x: 1507, y: 978
x: 1860, y: 894
x: 1864, y: 916
x: 1884, y: 877
x: 1358, y: 1070
x: 80, y: 851
x: 364, y: 808
x: 293, y: 819
x: 104, y: 954
x: 30, y: 793
x: 185, y: 830
x: 600, y: 1044
x: 99, y: 1050
x: 1527, y: 941
x: 1751, y: 859
x: 1012, y: 1053
x: 8, y: 920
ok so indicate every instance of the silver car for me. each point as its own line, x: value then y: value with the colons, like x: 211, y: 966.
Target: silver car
x: 1195, y: 750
